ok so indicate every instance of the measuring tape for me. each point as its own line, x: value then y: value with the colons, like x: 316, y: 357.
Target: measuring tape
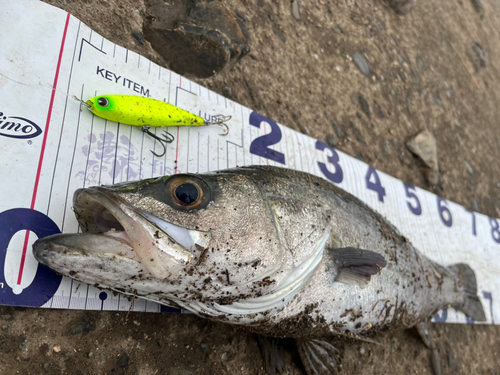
x: 55, y: 148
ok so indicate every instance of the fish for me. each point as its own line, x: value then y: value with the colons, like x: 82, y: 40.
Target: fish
x: 147, y: 113
x: 279, y: 252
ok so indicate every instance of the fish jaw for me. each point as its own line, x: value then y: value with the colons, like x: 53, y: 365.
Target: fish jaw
x: 101, y: 261
x: 162, y: 248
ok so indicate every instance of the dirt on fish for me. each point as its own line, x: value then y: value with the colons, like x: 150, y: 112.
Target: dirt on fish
x: 306, y: 82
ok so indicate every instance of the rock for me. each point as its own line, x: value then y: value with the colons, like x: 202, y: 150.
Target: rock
x: 338, y: 130
x: 56, y: 348
x: 475, y: 205
x: 103, y: 357
x: 386, y: 149
x: 331, y: 141
x: 295, y: 10
x: 432, y: 176
x: 85, y: 325
x: 242, y: 16
x: 279, y: 34
x: 359, y: 156
x: 205, y: 346
x: 478, y: 6
x: 46, y: 366
x: 196, y: 38
x: 402, y: 6
x: 138, y: 36
x: 365, y: 106
x: 361, y: 139
x: 477, y: 56
x: 452, y: 362
x: 303, y: 129
x: 123, y: 361
x: 420, y: 65
x: 424, y: 146
x: 469, y: 167
x: 379, y: 111
x: 360, y: 61
x: 228, y: 93
x: 436, y: 100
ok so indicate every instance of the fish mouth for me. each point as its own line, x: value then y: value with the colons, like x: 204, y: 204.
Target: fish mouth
x: 161, y: 247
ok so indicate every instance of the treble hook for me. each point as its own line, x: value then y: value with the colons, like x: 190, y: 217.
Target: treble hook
x: 167, y: 138
x: 221, y: 122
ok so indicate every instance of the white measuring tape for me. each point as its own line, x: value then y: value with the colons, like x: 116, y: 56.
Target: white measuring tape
x: 51, y: 148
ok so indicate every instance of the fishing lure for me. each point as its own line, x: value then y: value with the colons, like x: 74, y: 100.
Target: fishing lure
x: 146, y: 112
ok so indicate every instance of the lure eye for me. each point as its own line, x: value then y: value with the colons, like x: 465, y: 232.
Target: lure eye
x: 187, y: 192
x: 102, y: 101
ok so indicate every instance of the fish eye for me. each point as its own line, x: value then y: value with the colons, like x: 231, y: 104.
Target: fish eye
x: 186, y: 192
x: 102, y: 101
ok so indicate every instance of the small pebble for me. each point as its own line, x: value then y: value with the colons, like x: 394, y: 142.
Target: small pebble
x: 365, y: 106
x: 46, y: 366
x: 228, y: 93
x: 223, y: 357
x: 436, y: 100
x: 123, y: 361
x: 138, y: 36
x: 296, y: 10
x: 475, y: 205
x: 91, y: 354
x: 469, y: 167
x: 362, y: 351
x: 242, y: 16
x: 361, y: 139
x: 361, y: 63
x: 331, y: 141
x: 57, y: 348
x: 338, y: 130
x: 303, y: 129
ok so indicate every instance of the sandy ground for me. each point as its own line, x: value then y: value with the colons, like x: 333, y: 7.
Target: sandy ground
x: 300, y: 74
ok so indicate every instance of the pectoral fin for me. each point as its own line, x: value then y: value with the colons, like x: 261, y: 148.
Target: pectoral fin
x: 356, y: 266
x: 319, y: 357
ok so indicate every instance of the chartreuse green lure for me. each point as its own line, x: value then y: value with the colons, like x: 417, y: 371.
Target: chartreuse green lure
x: 146, y: 112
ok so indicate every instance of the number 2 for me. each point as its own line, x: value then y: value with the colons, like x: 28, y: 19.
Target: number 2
x: 260, y: 145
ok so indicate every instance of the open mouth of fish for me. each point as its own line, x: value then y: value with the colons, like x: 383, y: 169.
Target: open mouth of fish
x: 113, y: 227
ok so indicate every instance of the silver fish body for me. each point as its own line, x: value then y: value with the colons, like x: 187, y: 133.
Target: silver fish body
x: 281, y: 252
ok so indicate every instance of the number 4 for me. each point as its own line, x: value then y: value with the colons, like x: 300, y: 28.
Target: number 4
x: 375, y: 185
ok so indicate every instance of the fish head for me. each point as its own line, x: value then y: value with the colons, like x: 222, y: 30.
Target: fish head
x: 203, y: 242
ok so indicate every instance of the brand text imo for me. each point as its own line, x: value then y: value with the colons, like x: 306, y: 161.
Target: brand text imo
x: 18, y: 127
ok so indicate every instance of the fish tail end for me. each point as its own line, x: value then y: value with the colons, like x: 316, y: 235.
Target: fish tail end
x: 472, y: 306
